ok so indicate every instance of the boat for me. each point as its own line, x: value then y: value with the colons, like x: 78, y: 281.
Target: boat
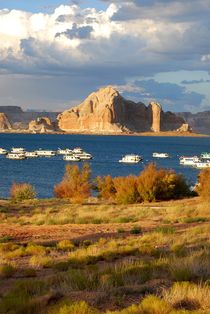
x: 31, y: 154
x: 17, y: 150
x: 16, y: 156
x: 77, y: 150
x: 189, y: 160
x: 160, y: 155
x: 131, y: 159
x: 71, y: 158
x: 65, y: 151
x: 84, y: 156
x: 3, y: 151
x: 202, y: 165
x: 45, y: 153
x: 205, y: 156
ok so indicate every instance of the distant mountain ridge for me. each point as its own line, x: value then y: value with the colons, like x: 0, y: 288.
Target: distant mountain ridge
x: 20, y: 119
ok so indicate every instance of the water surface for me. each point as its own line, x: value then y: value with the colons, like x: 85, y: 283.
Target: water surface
x: 44, y: 173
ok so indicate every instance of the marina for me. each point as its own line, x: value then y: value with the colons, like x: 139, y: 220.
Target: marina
x: 105, y: 153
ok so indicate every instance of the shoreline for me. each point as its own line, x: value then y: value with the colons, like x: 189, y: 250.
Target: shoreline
x: 155, y: 134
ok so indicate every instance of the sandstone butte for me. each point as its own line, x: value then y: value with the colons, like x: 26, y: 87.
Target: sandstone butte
x: 106, y: 111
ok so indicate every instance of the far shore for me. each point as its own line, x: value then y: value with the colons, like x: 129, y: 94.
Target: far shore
x: 157, y: 134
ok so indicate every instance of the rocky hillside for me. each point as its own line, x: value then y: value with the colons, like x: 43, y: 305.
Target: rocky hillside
x: 200, y: 122
x: 20, y: 119
x: 4, y: 122
x: 106, y: 111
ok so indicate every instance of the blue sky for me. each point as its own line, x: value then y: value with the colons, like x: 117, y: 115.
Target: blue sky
x: 54, y: 53
x: 47, y: 6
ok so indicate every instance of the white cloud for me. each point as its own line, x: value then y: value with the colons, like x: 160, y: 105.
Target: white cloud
x: 129, y: 39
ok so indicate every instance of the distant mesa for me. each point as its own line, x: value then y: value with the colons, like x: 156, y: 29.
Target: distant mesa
x: 106, y: 111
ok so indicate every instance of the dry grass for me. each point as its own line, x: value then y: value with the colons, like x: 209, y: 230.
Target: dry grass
x: 92, y: 267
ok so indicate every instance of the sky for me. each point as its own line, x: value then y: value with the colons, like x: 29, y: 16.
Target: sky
x: 54, y: 53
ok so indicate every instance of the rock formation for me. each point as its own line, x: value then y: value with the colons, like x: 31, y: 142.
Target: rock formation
x: 184, y: 128
x: 4, y: 122
x: 41, y: 125
x: 156, y: 116
x: 106, y: 111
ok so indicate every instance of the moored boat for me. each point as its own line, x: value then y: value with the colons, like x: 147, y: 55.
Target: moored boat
x: 84, y: 156
x: 65, y: 151
x: 17, y: 150
x: 77, y: 150
x: 131, y: 159
x: 31, y: 154
x: 45, y: 153
x: 3, y: 151
x: 205, y: 156
x: 189, y: 160
x: 160, y: 155
x: 16, y: 156
x: 202, y: 165
x: 71, y: 158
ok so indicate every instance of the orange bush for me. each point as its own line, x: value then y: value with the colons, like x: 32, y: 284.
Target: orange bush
x: 105, y: 187
x: 75, y: 184
x: 126, y: 190
x: 203, y: 188
x: 161, y: 184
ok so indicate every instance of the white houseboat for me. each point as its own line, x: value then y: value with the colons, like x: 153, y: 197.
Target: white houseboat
x: 16, y: 156
x: 160, y: 155
x: 189, y: 161
x: 71, y: 158
x: 131, y: 159
x: 45, y: 153
x: 3, y: 151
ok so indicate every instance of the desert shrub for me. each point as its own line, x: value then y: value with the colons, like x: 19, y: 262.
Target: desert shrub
x: 196, y: 266
x: 75, y: 184
x: 154, y: 305
x: 22, y: 191
x: 75, y: 308
x: 203, y: 187
x: 39, y: 261
x: 65, y: 245
x: 161, y: 184
x: 126, y: 190
x: 34, y: 249
x: 189, y: 296
x: 105, y: 187
x: 7, y: 271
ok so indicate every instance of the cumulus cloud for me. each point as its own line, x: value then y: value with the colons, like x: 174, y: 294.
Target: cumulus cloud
x: 128, y: 39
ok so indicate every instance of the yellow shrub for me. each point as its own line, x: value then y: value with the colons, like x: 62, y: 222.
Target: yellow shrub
x: 75, y: 184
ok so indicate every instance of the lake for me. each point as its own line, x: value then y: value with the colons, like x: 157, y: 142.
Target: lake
x: 43, y: 173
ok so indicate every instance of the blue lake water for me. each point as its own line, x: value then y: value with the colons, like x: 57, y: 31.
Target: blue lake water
x: 43, y: 173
